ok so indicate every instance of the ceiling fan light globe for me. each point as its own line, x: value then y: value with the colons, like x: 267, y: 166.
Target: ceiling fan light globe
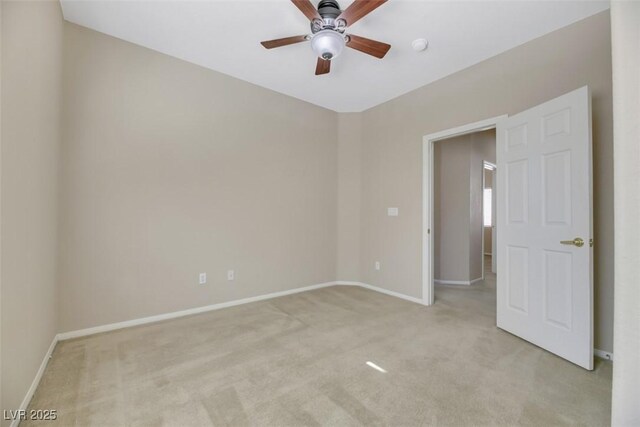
x: 327, y: 44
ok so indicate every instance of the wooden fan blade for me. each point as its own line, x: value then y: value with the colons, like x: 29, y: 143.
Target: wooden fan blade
x: 323, y: 66
x: 358, y: 9
x: 307, y: 8
x: 270, y: 44
x: 368, y: 46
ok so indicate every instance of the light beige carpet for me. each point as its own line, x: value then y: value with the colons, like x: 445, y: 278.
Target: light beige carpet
x: 302, y: 360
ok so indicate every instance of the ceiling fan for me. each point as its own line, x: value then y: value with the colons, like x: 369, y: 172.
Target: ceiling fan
x: 328, y: 25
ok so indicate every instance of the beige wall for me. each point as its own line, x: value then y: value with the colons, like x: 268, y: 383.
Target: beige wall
x: 349, y: 189
x: 169, y: 170
x: 451, y: 209
x: 31, y: 98
x: 552, y: 65
x: 625, y: 22
x: 458, y: 173
x: 487, y: 240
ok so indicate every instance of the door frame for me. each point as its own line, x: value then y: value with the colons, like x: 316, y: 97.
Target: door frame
x: 427, y: 196
x: 487, y: 165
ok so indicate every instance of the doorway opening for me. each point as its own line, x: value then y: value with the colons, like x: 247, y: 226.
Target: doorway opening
x: 462, y: 180
x: 455, y: 161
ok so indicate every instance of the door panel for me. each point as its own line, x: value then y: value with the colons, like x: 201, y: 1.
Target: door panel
x: 544, y: 197
x: 558, y: 284
x: 516, y: 137
x: 518, y: 279
x: 517, y: 195
x: 556, y: 197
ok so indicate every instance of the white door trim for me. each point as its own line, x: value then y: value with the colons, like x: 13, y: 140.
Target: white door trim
x: 486, y: 165
x: 427, y: 196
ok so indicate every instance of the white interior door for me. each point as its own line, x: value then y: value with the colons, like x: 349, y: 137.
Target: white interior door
x: 544, y: 287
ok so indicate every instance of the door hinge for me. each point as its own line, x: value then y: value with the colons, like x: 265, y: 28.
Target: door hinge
x: 590, y: 243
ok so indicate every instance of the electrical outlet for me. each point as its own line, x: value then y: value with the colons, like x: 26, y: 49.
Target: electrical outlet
x: 377, y: 265
x: 231, y: 275
x: 203, y: 278
x: 392, y: 211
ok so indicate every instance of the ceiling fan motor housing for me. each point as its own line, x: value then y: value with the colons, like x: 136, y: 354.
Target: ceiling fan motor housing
x: 329, y: 10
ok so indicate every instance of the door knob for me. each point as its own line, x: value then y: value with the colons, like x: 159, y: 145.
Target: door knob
x: 575, y: 242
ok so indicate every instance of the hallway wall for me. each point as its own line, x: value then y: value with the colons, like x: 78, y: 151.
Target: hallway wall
x: 458, y: 178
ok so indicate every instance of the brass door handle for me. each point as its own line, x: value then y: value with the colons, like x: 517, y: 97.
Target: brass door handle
x: 575, y: 242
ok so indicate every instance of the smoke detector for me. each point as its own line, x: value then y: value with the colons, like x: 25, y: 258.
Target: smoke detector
x: 419, y: 45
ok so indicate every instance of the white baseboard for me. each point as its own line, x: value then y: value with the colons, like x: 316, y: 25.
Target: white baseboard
x: 36, y: 381
x: 603, y: 354
x: 173, y: 315
x: 382, y: 291
x: 188, y: 312
x: 457, y: 282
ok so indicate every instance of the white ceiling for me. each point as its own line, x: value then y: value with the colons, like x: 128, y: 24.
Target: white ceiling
x: 225, y: 35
